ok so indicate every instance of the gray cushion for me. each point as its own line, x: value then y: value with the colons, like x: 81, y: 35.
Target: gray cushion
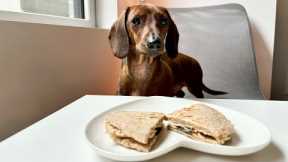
x: 219, y: 38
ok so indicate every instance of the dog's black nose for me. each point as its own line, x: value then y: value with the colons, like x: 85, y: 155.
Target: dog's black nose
x: 155, y: 44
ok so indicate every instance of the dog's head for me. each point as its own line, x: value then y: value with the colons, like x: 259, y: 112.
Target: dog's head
x: 147, y: 29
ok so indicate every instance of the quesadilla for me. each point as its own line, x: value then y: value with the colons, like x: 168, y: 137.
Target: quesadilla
x: 134, y: 130
x: 201, y: 122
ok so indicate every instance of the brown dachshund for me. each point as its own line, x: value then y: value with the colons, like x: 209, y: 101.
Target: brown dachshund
x: 146, y: 39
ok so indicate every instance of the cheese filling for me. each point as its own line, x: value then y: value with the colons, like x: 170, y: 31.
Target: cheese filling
x: 192, y: 131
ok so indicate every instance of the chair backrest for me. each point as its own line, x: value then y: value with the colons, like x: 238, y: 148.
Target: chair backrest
x: 219, y: 38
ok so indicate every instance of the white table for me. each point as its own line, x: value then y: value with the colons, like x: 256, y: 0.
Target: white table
x: 60, y: 138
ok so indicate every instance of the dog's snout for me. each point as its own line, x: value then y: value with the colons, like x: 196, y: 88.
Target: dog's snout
x: 154, y: 44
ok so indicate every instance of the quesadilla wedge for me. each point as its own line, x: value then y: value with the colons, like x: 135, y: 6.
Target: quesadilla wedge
x: 201, y: 122
x: 134, y: 130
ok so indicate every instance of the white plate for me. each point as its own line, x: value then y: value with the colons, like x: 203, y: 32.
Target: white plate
x: 251, y: 135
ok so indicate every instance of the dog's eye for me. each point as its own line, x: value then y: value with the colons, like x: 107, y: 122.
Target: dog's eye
x: 163, y: 22
x: 136, y: 20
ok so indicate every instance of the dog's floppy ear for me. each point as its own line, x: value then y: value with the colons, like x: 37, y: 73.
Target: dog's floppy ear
x: 172, y: 38
x: 118, y: 36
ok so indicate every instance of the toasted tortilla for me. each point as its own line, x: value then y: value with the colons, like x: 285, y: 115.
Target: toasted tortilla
x: 201, y: 122
x: 130, y: 142
x: 135, y: 130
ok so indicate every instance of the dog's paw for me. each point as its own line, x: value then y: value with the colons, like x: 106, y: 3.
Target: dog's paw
x: 180, y: 94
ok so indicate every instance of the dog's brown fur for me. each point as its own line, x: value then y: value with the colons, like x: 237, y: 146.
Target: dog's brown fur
x: 147, y: 72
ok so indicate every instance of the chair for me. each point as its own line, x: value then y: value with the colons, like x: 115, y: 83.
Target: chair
x: 219, y: 38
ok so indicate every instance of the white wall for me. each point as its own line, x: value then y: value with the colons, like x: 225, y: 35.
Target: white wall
x: 45, y: 67
x: 106, y: 13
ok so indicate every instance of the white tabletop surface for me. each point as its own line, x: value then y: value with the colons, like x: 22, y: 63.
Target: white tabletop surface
x: 60, y: 136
